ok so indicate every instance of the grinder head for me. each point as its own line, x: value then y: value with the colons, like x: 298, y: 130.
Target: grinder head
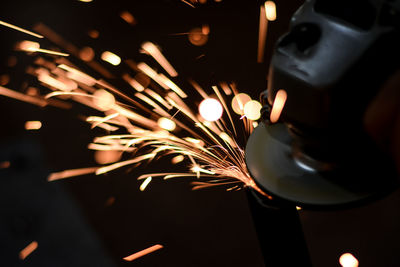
x: 331, y: 64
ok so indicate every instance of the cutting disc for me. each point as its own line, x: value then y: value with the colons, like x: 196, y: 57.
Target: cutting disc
x: 270, y: 162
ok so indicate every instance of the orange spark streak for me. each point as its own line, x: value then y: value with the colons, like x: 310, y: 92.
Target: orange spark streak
x: 262, y: 35
x: 70, y: 173
x: 20, y: 29
x: 28, y: 250
x: 153, y: 51
x: 143, y: 252
x: 145, y: 183
x: 22, y: 97
x: 189, y: 4
x: 33, y: 125
x: 277, y: 107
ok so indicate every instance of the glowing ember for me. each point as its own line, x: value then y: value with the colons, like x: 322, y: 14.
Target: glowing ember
x: 270, y: 10
x: 5, y: 164
x: 198, y: 36
x: 166, y: 124
x: 28, y: 250
x: 278, y: 105
x: 238, y: 103
x: 107, y: 156
x: 153, y: 50
x: 177, y: 159
x: 128, y: 17
x: 348, y: 260
x: 262, y: 34
x: 210, y: 109
x: 145, y: 183
x: 86, y: 54
x: 252, y: 110
x: 111, y: 58
x: 103, y: 100
x: 33, y: 125
x: 142, y: 253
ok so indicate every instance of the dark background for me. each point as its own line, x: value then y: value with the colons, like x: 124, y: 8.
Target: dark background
x: 73, y: 220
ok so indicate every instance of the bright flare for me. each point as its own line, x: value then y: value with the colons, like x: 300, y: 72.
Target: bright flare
x: 166, y: 124
x: 142, y: 253
x: 252, y: 110
x: 33, y: 125
x: 238, y: 103
x: 111, y: 58
x: 270, y: 10
x: 210, y: 109
x: 277, y: 106
x: 103, y: 100
x: 348, y: 260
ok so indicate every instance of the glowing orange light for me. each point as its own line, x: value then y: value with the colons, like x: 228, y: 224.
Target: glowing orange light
x: 348, y: 260
x: 252, y: 110
x: 142, y: 253
x: 177, y: 159
x: 28, y: 250
x: 166, y: 124
x: 4, y: 79
x: 238, y: 103
x: 278, y: 105
x: 86, y: 1
x: 128, y: 17
x: 262, y: 34
x: 210, y: 109
x: 153, y: 50
x: 145, y: 183
x: 198, y: 37
x: 86, y: 54
x: 107, y: 156
x: 103, y: 100
x: 33, y: 125
x: 20, y: 29
x: 111, y: 58
x: 270, y: 10
x: 94, y: 34
x: 5, y: 164
x: 28, y: 46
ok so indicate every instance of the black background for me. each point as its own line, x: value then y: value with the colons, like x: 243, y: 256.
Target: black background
x: 71, y: 220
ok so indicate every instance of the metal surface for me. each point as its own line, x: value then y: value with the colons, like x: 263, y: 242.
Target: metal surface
x: 271, y: 163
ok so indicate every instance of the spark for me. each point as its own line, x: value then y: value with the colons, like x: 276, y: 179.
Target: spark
x: 153, y: 50
x: 144, y: 252
x: 270, y: 10
x: 28, y: 250
x: 166, y: 124
x: 70, y: 173
x: 33, y: 125
x: 189, y: 4
x: 5, y: 164
x: 128, y: 17
x: 30, y: 46
x: 111, y: 58
x: 238, y: 103
x: 210, y: 109
x: 348, y: 260
x: 262, y: 34
x: 278, y: 105
x: 145, y: 183
x: 20, y: 29
x: 252, y: 110
x: 153, y: 122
